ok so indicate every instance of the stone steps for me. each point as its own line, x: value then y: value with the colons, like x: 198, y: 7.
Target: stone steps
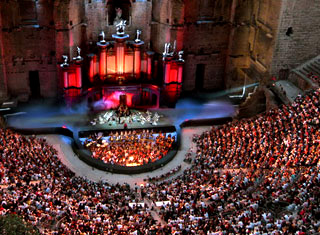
x: 286, y: 91
x: 304, y: 72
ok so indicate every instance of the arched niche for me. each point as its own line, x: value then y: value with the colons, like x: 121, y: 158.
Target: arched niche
x: 113, y: 12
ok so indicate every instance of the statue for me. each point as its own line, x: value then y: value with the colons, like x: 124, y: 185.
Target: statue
x: 180, y: 54
x: 78, y: 57
x: 166, y: 49
x: 78, y: 53
x: 121, y: 26
x: 102, y: 37
x: 118, y: 18
x: 65, y: 61
x: 137, y: 40
x: 174, y: 48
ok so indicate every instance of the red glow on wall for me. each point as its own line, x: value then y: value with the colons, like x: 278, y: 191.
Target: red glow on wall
x: 173, y: 92
x: 144, y: 66
x: 103, y: 64
x: 167, y: 73
x: 72, y: 80
x: 180, y: 71
x: 128, y: 68
x: 65, y: 79
x: 78, y: 76
x: 173, y: 72
x: 137, y: 63
x: 120, y: 58
x: 72, y: 93
x: 111, y: 64
x: 91, y: 70
x: 113, y: 100
x: 173, y: 75
x: 149, y: 67
x: 72, y: 77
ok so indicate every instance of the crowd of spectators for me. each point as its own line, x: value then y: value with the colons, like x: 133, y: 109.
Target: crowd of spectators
x: 36, y: 186
x: 253, y: 176
x: 313, y: 77
x: 164, y: 176
x: 130, y: 147
x: 27, y: 159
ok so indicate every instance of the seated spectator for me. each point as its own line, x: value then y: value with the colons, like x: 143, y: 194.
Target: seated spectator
x: 254, y: 176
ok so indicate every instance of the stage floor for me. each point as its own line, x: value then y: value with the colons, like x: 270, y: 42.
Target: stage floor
x: 43, y: 115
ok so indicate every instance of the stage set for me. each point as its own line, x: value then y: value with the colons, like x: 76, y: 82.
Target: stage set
x: 129, y: 124
x: 125, y: 84
x: 122, y: 72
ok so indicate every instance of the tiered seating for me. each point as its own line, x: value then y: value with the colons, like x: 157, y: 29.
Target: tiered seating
x: 254, y: 176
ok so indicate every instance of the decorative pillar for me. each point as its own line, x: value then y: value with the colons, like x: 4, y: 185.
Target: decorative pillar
x: 78, y: 76
x: 91, y: 67
x: 120, y: 53
x: 77, y: 64
x: 65, y: 71
x: 102, y: 59
x: 173, y: 71
x: 137, y: 59
x: 120, y: 58
x: 167, y: 67
x: 65, y: 75
x: 180, y: 71
x: 149, y: 64
x: 180, y: 63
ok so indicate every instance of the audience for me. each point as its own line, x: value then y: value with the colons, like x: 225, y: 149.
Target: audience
x: 313, y: 77
x: 253, y: 176
x: 164, y: 176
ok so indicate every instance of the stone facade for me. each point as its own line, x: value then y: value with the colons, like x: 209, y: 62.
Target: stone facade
x: 302, y: 43
x: 225, y: 41
x: 254, y: 36
x: 201, y: 29
x: 97, y: 19
x: 28, y: 46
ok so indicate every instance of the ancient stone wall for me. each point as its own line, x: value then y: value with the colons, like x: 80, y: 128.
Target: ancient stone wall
x: 300, y: 43
x: 206, y: 38
x: 254, y: 35
x: 3, y: 73
x: 224, y: 41
x: 201, y: 29
x: 28, y: 44
x: 98, y: 19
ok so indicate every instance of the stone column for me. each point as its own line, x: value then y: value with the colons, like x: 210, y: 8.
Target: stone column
x: 3, y: 72
x: 102, y: 59
x: 137, y: 59
x: 120, y: 56
x: 149, y: 64
x: 180, y: 71
x: 78, y: 75
x: 65, y: 75
x: 91, y: 67
x: 166, y: 67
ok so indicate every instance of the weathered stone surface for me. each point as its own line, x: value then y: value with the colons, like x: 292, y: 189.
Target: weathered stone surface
x: 226, y: 37
x: 303, y: 43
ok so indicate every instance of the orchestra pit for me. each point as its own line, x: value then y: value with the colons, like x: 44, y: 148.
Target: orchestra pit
x: 159, y: 117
